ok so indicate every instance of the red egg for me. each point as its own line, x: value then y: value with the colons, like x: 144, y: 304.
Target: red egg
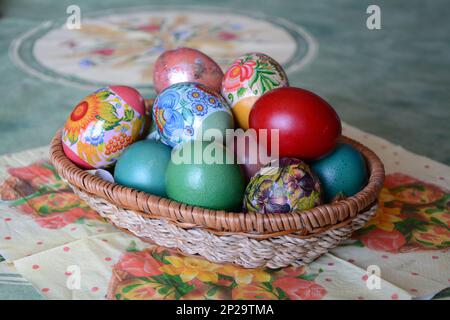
x: 186, y: 65
x: 308, y: 126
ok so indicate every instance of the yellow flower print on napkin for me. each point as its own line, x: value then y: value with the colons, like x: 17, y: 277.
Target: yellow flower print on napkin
x: 142, y: 289
x: 252, y: 292
x: 158, y: 273
x: 385, y: 218
x: 244, y: 276
x: 189, y: 268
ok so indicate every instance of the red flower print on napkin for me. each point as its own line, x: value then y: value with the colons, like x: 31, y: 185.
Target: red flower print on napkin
x: 378, y: 239
x: 300, y: 289
x: 139, y: 264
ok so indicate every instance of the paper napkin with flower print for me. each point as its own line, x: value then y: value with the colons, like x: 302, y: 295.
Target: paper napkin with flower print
x: 38, y: 210
x: 68, y: 252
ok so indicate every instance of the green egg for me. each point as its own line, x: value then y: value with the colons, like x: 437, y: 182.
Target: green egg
x: 343, y: 171
x: 219, y: 120
x: 142, y: 166
x: 198, y: 174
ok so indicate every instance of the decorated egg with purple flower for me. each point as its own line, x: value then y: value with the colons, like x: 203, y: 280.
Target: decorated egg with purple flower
x: 185, y: 111
x: 282, y: 186
x: 102, y: 125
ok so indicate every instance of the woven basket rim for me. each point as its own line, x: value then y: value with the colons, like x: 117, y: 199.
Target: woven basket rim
x: 303, y: 223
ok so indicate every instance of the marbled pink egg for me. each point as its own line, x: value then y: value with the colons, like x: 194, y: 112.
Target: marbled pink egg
x: 102, y: 125
x: 186, y: 65
x: 250, y: 154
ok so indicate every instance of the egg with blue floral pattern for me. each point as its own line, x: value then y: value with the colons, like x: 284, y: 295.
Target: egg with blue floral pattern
x: 102, y: 125
x: 184, y: 111
x: 283, y: 186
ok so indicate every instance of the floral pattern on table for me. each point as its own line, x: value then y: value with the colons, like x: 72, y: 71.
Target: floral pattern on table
x: 36, y: 190
x: 114, y: 46
x: 412, y: 215
x: 252, y: 74
x: 159, y: 273
x: 122, y: 45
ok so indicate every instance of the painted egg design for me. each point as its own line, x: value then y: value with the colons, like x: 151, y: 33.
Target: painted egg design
x: 184, y: 111
x: 248, y: 78
x: 102, y: 125
x: 282, y: 186
x: 186, y: 65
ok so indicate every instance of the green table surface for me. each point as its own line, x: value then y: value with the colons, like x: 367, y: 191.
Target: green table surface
x: 393, y: 82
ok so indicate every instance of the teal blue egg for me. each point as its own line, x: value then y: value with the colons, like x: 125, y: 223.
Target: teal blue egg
x: 343, y: 171
x: 142, y: 166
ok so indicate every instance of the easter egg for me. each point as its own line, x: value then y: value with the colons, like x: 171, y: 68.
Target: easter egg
x: 186, y: 65
x: 343, y: 171
x: 284, y: 185
x: 184, y: 111
x: 248, y: 78
x: 102, y: 125
x: 308, y: 126
x: 152, y: 132
x: 148, y: 123
x: 249, y: 153
x: 214, y: 184
x: 142, y: 166
x: 104, y: 174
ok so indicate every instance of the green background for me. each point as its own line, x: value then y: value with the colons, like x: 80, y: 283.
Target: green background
x: 393, y: 82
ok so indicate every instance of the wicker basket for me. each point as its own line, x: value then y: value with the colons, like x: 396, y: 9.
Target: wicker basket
x: 250, y: 240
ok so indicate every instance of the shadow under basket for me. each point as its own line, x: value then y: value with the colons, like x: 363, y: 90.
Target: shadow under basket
x: 248, y: 239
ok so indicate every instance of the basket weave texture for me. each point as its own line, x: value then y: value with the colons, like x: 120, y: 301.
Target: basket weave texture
x: 248, y: 239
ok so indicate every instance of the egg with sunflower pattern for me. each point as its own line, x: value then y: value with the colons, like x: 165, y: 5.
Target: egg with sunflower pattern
x: 284, y: 185
x: 102, y: 125
x: 246, y: 79
x: 184, y: 111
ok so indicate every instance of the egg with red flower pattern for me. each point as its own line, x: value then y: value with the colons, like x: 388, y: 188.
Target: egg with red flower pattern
x: 248, y: 78
x: 102, y: 125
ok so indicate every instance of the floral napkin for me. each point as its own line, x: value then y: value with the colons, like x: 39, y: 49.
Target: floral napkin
x: 65, y: 250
